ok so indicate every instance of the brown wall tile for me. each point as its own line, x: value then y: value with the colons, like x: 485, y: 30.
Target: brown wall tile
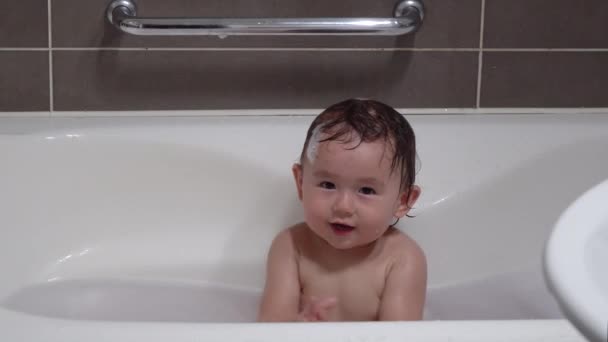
x: 545, y: 79
x: 157, y: 80
x: 24, y: 81
x: 449, y: 23
x: 546, y: 24
x: 24, y: 23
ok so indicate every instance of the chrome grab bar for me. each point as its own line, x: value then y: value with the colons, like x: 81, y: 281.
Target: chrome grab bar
x: 408, y: 16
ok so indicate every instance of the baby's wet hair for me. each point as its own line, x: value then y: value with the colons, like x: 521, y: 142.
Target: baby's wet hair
x: 368, y: 121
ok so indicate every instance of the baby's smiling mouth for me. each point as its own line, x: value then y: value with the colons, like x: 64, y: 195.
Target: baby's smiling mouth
x: 341, y: 228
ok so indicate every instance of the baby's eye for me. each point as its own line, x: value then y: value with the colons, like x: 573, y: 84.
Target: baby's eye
x: 367, y: 191
x: 327, y: 185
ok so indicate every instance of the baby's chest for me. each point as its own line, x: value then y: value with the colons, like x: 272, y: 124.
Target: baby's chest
x: 358, y: 290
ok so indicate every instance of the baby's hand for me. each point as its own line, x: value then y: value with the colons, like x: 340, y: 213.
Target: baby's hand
x: 316, y: 310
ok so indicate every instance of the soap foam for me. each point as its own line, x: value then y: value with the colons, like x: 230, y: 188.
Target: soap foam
x: 313, y: 144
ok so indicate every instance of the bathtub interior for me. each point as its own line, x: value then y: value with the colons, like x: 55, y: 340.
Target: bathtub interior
x: 170, y: 219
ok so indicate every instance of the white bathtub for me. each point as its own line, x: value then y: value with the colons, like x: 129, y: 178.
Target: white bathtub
x: 128, y: 229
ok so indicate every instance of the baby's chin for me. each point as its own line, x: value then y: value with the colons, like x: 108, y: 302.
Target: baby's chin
x: 346, y: 240
x: 349, y: 243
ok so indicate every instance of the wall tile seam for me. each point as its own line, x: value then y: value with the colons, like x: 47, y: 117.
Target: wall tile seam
x: 11, y: 49
x: 480, y: 56
x: 50, y: 51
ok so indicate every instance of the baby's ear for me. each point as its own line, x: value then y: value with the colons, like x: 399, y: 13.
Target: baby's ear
x: 297, y: 176
x: 407, y: 199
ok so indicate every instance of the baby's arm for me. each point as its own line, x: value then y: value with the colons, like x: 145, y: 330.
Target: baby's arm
x: 405, y: 288
x: 281, y: 298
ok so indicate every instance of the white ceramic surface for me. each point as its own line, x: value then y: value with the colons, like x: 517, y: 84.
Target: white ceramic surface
x: 576, y: 262
x: 149, y: 227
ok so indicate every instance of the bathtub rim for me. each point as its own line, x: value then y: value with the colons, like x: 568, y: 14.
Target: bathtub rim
x: 297, y: 112
x: 17, y: 326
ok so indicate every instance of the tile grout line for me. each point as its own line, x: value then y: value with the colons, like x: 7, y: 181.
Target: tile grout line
x: 23, y: 49
x: 315, y: 49
x: 260, y: 49
x: 480, y: 60
x: 50, y: 35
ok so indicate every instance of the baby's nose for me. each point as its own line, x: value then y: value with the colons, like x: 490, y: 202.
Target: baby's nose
x: 343, y: 205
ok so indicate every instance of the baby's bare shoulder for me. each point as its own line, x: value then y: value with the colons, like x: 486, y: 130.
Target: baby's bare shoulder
x: 402, y: 248
x: 298, y: 230
x: 292, y: 237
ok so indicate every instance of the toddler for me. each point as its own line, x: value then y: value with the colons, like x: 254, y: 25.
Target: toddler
x: 347, y: 261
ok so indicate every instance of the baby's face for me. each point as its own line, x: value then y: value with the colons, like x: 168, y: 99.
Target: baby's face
x: 350, y: 196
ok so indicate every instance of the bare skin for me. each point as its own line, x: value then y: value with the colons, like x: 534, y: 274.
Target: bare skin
x: 346, y: 262
x: 383, y: 281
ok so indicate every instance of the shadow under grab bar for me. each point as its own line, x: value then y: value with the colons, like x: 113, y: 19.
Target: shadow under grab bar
x: 408, y: 16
